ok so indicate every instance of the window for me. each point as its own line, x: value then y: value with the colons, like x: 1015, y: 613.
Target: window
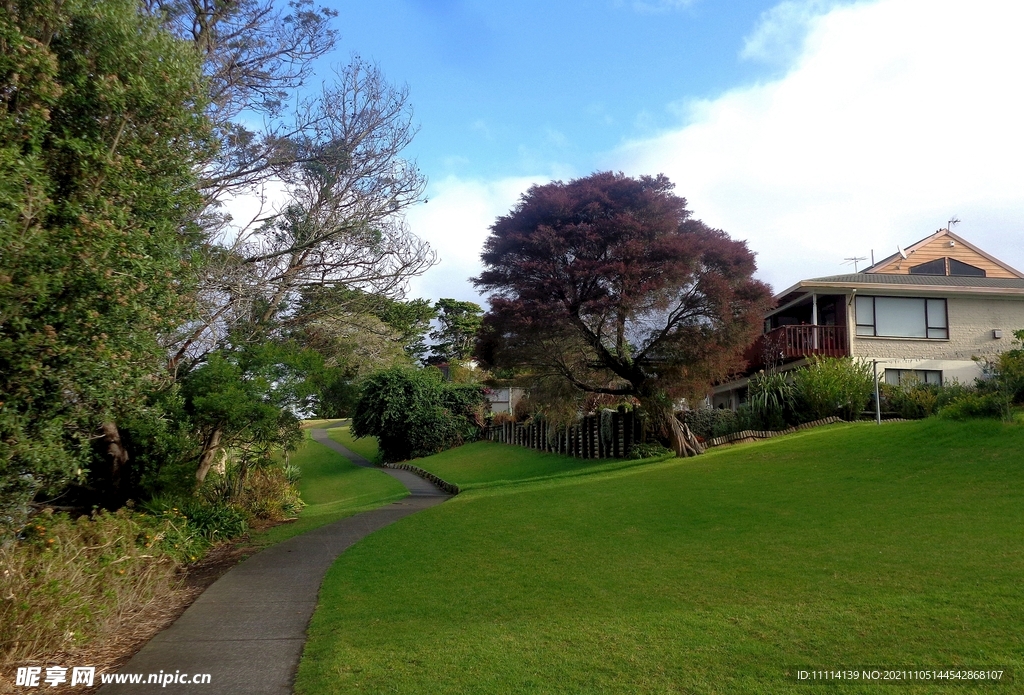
x: 936, y: 267
x: 947, y: 266
x: 902, y: 317
x: 899, y: 377
x: 960, y: 268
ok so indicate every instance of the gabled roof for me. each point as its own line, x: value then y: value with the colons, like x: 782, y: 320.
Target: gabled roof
x: 938, y: 245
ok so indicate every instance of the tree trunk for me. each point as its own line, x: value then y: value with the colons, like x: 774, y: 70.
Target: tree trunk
x: 210, y: 448
x: 684, y: 443
x: 116, y: 453
x: 692, y: 438
x: 222, y: 465
x: 677, y: 438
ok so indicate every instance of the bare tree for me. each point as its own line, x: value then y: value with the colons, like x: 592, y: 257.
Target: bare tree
x: 337, y: 153
x: 255, y: 55
x: 338, y: 156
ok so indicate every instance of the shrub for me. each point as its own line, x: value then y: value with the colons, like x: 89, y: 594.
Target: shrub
x: 770, y: 395
x: 953, y: 400
x: 215, y: 521
x: 973, y: 405
x: 647, y: 451
x: 1009, y: 369
x: 1002, y: 383
x: 260, y: 493
x: 501, y: 418
x: 912, y: 400
x: 413, y: 412
x: 708, y: 423
x: 832, y: 386
x: 292, y: 473
x: 267, y: 494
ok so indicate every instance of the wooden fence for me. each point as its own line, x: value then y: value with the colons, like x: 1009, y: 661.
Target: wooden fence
x: 613, y: 437
x: 607, y: 434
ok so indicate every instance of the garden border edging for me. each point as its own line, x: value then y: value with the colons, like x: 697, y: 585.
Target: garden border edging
x: 450, y: 488
x: 768, y: 434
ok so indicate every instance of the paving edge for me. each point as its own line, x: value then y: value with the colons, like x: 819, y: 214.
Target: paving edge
x: 450, y: 488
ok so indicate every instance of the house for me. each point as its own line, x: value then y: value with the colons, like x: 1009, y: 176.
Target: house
x: 503, y: 399
x: 925, y: 313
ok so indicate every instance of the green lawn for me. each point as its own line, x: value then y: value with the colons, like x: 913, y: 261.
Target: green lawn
x: 364, y: 446
x: 332, y: 488
x: 486, y: 464
x: 900, y: 545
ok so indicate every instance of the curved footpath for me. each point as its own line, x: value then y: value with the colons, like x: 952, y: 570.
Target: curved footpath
x: 248, y: 629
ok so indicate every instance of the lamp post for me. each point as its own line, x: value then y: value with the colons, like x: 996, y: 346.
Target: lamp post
x: 878, y: 403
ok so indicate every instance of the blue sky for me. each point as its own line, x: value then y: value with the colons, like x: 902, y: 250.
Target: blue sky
x: 513, y: 88
x: 815, y: 130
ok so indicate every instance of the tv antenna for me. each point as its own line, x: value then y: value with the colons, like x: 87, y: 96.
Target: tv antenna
x: 854, y: 260
x: 952, y: 220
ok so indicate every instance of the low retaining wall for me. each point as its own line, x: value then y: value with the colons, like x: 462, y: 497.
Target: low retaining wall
x: 768, y: 434
x: 450, y: 488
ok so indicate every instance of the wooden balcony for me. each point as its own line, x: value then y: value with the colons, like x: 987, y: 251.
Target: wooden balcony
x: 788, y: 343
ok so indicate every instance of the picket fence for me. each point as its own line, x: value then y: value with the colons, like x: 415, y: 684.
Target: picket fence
x: 607, y: 434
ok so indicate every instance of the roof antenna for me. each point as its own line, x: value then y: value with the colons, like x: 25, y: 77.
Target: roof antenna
x: 952, y: 221
x: 855, y: 260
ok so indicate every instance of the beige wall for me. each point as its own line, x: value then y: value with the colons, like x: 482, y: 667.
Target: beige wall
x: 971, y: 321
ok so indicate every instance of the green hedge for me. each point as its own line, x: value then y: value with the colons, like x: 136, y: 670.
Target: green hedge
x: 414, y: 412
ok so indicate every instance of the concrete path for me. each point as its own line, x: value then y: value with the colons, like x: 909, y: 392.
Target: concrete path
x: 248, y: 629
x: 416, y: 485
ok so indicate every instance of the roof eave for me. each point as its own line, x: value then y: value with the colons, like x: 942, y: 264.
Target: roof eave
x: 810, y: 285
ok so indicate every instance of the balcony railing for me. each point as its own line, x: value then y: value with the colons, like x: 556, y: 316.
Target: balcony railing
x: 788, y: 343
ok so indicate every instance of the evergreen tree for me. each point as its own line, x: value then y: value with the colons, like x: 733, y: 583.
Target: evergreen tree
x: 101, y: 126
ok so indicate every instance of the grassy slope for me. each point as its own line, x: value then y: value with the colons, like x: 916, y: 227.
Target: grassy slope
x: 485, y: 464
x: 849, y: 545
x: 364, y: 446
x: 332, y: 488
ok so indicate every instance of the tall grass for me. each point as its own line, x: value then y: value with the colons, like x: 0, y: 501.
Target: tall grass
x: 66, y: 580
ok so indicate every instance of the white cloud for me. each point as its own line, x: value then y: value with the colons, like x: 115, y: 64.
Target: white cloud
x: 894, y: 116
x: 779, y: 34
x: 456, y: 222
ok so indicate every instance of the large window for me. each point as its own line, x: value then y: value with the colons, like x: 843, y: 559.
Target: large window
x: 902, y: 317
x: 899, y: 377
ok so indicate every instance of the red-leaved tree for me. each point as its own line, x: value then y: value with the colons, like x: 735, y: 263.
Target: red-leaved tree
x: 608, y: 283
